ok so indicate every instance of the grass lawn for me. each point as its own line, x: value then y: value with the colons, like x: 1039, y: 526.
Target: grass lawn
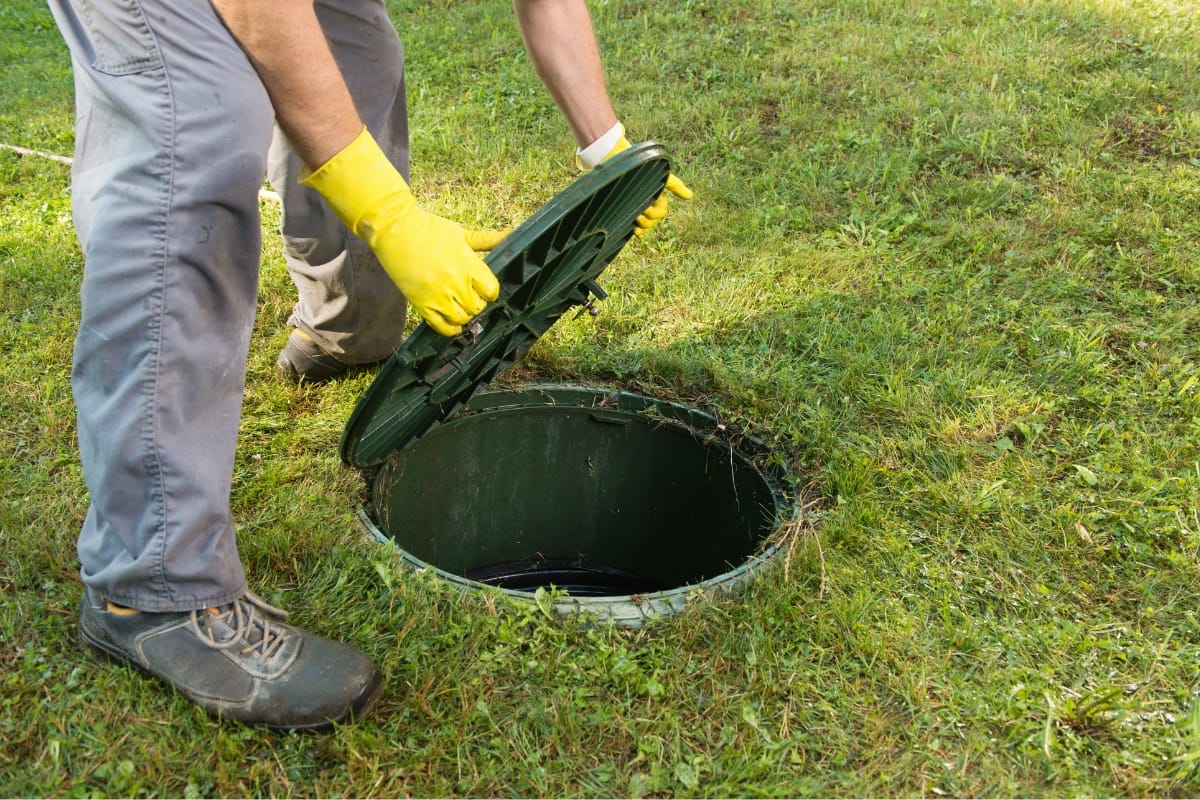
x: 944, y: 256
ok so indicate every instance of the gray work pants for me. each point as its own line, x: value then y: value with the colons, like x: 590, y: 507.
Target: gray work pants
x: 174, y: 134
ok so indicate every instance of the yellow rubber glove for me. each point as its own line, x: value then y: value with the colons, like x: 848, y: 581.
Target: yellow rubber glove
x: 654, y: 214
x: 431, y: 259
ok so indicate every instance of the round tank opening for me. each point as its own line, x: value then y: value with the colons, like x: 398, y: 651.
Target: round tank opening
x: 625, y: 503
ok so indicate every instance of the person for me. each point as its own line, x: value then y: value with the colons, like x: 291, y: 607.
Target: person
x: 182, y: 108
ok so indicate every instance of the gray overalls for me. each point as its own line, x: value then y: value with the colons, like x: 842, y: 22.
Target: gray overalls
x: 174, y: 134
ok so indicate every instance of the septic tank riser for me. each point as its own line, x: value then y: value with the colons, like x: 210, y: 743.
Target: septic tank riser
x: 616, y: 482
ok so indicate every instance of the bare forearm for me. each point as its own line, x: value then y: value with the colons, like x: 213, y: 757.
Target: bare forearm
x: 284, y: 42
x: 562, y: 46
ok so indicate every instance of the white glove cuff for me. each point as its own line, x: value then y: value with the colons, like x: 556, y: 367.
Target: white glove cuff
x: 589, y: 157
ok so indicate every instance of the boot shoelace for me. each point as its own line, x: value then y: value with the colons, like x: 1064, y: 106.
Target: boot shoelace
x: 247, y: 616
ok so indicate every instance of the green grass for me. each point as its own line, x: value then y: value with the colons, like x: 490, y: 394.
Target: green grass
x: 944, y: 257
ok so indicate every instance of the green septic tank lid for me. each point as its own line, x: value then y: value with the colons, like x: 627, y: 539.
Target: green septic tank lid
x: 546, y: 266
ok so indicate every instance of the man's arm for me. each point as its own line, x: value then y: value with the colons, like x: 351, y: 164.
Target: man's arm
x: 288, y: 49
x: 561, y: 44
x: 430, y: 259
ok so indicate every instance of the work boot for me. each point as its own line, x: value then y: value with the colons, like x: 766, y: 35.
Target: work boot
x: 303, y: 361
x: 238, y: 662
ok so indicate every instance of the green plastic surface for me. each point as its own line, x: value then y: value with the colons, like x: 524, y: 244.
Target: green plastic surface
x: 630, y: 504
x: 546, y: 266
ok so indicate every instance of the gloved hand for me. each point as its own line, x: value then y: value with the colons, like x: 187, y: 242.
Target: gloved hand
x: 586, y: 160
x: 430, y: 258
